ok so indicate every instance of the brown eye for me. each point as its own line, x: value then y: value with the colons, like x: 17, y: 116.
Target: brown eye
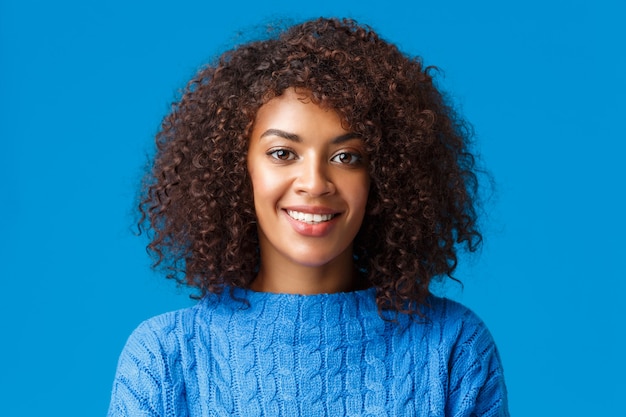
x: 282, y: 154
x: 347, y: 158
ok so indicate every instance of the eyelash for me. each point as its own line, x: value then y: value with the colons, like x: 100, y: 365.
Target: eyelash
x: 274, y: 154
x: 356, y: 159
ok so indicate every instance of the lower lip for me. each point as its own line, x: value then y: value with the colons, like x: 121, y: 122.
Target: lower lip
x: 311, y: 230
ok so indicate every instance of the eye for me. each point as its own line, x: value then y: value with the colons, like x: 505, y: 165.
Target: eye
x: 282, y: 154
x: 347, y: 158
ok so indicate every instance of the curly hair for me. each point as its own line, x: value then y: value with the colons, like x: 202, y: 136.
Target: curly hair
x: 197, y: 202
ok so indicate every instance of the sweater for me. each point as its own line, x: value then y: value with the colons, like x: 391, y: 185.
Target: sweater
x: 264, y: 354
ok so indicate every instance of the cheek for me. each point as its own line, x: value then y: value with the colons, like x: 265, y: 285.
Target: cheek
x: 267, y: 187
x: 360, y: 193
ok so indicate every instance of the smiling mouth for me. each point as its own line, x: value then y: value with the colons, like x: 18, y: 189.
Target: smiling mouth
x: 310, y: 218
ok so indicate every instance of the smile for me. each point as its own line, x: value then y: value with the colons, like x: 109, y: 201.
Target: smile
x: 309, y: 218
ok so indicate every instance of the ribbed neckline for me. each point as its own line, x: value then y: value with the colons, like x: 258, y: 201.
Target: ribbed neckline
x: 263, y: 306
x: 361, y: 301
x: 288, y: 297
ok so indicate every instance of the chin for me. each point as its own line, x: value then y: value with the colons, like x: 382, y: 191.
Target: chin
x: 318, y: 259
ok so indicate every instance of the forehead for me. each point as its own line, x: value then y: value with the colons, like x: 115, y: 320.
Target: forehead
x: 295, y: 111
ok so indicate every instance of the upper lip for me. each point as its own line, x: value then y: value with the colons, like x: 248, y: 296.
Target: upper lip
x: 312, y: 209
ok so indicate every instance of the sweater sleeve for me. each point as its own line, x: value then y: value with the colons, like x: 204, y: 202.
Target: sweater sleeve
x: 476, y: 380
x: 143, y: 382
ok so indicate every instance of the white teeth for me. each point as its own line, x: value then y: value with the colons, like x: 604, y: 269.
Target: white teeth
x: 309, y: 217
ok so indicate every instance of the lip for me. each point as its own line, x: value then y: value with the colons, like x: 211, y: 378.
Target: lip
x: 312, y: 230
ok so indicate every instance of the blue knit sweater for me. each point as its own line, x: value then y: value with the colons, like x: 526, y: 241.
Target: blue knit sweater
x: 316, y: 355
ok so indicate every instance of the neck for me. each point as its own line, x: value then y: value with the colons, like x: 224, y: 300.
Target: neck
x: 337, y: 276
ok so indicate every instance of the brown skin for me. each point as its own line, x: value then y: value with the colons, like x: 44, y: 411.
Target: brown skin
x: 198, y: 200
x: 301, y: 158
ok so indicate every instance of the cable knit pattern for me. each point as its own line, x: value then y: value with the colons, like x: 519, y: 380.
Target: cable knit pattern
x: 316, y: 355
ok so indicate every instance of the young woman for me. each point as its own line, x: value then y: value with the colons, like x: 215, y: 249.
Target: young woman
x: 311, y: 186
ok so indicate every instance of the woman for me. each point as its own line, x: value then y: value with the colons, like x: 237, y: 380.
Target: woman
x: 311, y: 186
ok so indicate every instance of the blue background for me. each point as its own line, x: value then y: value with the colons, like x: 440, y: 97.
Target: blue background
x: 83, y: 88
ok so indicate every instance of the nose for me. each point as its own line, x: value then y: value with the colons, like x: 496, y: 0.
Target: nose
x: 314, y: 179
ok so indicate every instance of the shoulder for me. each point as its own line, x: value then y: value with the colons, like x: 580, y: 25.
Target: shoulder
x: 166, y: 336
x: 455, y: 322
x: 155, y: 332
x: 473, y: 363
x: 154, y: 344
x: 151, y: 365
x: 450, y: 311
x: 461, y: 332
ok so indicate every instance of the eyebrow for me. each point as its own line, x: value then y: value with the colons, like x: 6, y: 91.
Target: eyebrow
x: 295, y: 138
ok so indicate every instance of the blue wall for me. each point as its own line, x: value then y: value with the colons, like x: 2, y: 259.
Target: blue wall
x: 83, y: 86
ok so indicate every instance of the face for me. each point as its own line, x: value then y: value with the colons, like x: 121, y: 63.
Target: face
x: 310, y: 182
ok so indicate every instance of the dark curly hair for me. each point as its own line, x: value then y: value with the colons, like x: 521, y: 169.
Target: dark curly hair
x: 197, y: 202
